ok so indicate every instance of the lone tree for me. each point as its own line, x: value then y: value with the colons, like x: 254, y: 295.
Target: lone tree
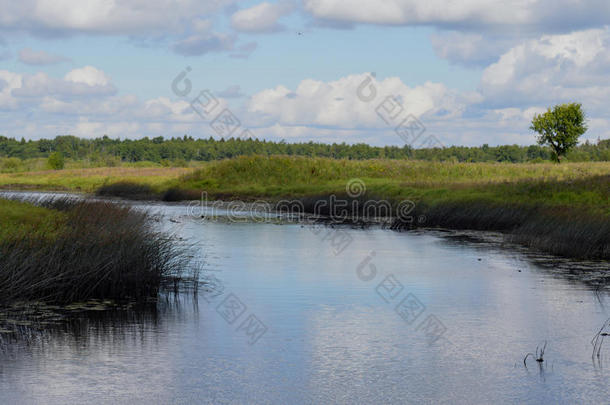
x: 560, y: 127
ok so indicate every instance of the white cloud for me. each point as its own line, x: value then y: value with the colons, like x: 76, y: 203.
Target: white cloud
x: 551, y: 69
x: 337, y: 104
x: 261, y: 18
x: 31, y: 57
x: 202, y: 39
x: 202, y: 43
x: 417, y: 12
x: 88, y: 75
x: 11, y: 81
x: 130, y: 17
x: 84, y: 103
x: 33, y: 90
x: 527, y: 15
x: 471, y: 49
x: 176, y: 21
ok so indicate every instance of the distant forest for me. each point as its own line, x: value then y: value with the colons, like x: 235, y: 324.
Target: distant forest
x: 186, y: 149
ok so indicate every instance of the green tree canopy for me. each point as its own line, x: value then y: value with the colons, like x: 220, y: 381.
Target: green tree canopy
x: 560, y: 127
x: 105, y: 151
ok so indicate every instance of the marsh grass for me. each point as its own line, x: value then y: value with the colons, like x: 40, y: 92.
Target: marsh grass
x: 124, y: 189
x: 100, y: 250
x: 294, y: 171
x: 598, y: 340
x: 561, y: 209
x: 538, y: 356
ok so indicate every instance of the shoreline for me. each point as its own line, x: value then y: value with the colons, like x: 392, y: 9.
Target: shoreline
x: 562, y: 232
x: 66, y: 249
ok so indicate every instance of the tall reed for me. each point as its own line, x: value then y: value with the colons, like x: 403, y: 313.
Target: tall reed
x: 103, y: 250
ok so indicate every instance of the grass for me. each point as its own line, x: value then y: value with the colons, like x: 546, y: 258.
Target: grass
x: 16, y: 165
x: 280, y: 177
x: 582, y: 185
x: 22, y: 219
x: 558, y: 208
x: 81, y: 250
x: 89, y: 180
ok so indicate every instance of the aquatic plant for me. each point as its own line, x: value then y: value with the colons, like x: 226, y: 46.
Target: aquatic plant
x: 598, y: 339
x: 539, y: 356
x: 99, y: 250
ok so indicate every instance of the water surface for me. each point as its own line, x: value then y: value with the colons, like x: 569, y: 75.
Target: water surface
x: 325, y: 303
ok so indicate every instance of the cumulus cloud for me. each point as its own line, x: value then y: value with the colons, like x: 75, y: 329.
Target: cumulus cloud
x: 176, y: 21
x: 30, y: 89
x: 338, y: 104
x: 88, y: 75
x: 84, y: 103
x: 551, y: 69
x: 33, y: 90
x: 262, y: 17
x: 11, y: 81
x: 125, y: 17
x: 471, y: 49
x: 530, y: 15
x: 39, y: 58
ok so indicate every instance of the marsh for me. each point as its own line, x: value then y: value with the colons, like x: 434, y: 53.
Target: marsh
x: 295, y: 313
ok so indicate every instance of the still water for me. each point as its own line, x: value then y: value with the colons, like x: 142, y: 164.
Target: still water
x: 299, y: 315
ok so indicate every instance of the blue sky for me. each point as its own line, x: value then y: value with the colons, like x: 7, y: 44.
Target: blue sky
x: 470, y: 72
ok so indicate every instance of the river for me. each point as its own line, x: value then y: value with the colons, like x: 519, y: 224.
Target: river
x: 300, y: 314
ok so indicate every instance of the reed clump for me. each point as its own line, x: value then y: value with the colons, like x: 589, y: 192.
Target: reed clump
x: 100, y: 250
x: 128, y: 190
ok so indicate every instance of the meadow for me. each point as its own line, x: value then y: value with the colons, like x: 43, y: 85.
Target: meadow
x: 278, y: 177
x: 558, y: 208
x: 561, y: 209
x: 285, y: 177
x: 88, y: 180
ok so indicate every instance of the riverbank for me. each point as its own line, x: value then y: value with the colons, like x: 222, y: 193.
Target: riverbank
x: 559, y: 209
x: 88, y: 180
x: 78, y: 250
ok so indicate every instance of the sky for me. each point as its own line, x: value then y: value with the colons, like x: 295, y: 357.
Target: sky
x: 427, y: 73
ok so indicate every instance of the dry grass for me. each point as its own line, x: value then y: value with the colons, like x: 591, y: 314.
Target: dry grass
x: 89, y: 180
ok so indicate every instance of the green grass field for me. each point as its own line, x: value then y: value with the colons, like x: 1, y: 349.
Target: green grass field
x: 573, y: 184
x: 89, y: 180
x: 582, y: 185
x: 20, y: 219
x: 569, y: 202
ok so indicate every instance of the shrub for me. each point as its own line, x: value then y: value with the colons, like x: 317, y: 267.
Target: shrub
x: 56, y: 161
x: 10, y: 164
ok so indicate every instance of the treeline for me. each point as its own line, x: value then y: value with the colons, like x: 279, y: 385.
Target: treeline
x: 160, y: 150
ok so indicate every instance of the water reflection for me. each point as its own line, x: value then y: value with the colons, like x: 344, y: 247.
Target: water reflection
x: 28, y: 329
x: 331, y: 337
